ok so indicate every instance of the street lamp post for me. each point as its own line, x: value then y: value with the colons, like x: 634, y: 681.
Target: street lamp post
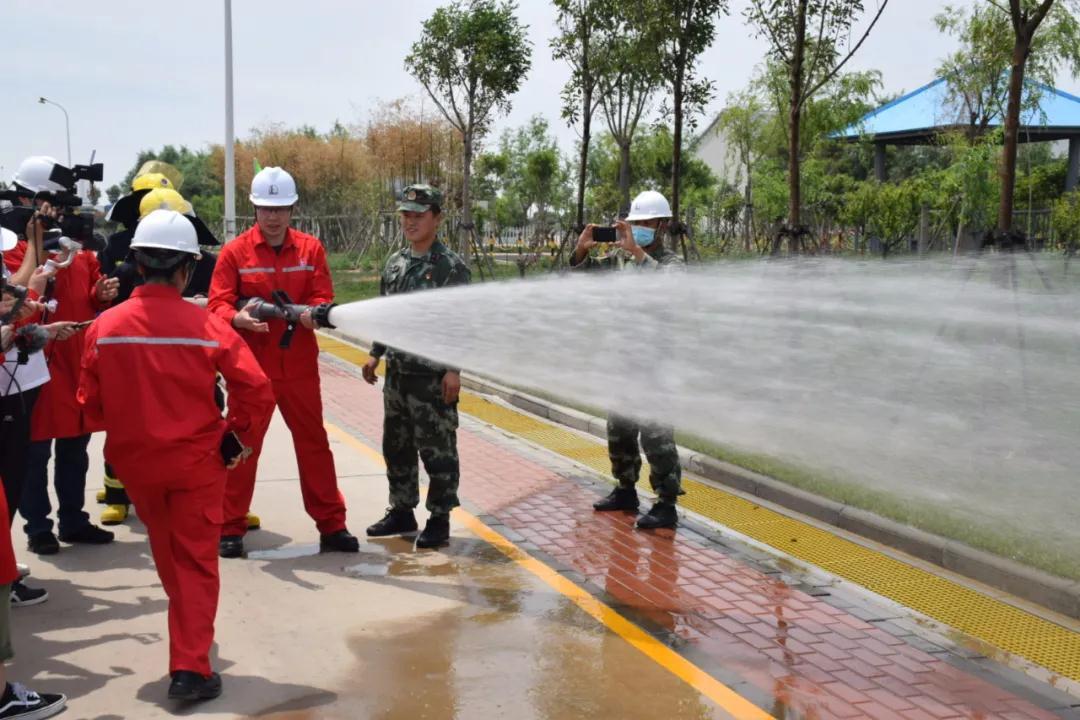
x: 230, y: 163
x: 67, y: 124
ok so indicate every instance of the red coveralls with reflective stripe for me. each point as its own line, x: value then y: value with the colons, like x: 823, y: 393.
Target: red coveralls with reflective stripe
x: 247, y: 268
x: 148, y: 375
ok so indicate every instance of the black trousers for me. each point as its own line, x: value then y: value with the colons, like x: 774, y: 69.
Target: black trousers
x: 15, y: 412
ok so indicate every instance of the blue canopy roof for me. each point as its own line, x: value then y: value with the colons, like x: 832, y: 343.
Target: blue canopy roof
x: 923, y: 113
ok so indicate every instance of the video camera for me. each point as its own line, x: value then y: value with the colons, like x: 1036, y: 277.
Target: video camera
x: 281, y: 307
x: 68, y: 177
x: 77, y: 225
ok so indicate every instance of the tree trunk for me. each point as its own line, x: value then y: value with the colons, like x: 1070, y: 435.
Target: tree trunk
x: 624, y: 176
x: 466, y: 203
x: 747, y: 212
x: 1012, y: 133
x: 676, y: 166
x: 586, y: 122
x: 794, y: 125
x: 676, y: 158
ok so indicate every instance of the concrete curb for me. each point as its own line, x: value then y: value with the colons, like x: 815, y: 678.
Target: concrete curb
x: 1060, y: 595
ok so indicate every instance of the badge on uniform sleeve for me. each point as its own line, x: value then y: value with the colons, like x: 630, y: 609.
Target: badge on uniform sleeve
x: 411, y: 195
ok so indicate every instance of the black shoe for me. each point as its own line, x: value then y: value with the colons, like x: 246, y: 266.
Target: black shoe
x: 662, y: 515
x: 394, y: 522
x: 621, y: 498
x: 43, y: 543
x: 341, y: 541
x: 188, y: 685
x: 22, y: 596
x: 436, y: 532
x: 88, y: 535
x: 231, y: 546
x: 18, y: 702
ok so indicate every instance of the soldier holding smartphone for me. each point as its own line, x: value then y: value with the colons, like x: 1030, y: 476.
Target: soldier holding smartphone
x: 639, y: 245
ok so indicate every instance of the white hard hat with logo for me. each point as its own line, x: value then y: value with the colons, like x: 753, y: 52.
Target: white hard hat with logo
x: 166, y: 230
x: 273, y: 187
x: 33, y: 174
x: 649, y: 205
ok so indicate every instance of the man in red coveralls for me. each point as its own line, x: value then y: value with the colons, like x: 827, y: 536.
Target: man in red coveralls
x: 148, y: 376
x: 273, y: 256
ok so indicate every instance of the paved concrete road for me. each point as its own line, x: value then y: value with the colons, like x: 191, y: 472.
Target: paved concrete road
x: 388, y: 633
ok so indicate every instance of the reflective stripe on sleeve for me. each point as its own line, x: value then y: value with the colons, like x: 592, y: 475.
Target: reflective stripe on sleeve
x: 135, y: 340
x: 299, y: 268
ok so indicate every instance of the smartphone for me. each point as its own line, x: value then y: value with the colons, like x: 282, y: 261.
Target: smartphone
x: 231, y: 448
x: 604, y: 234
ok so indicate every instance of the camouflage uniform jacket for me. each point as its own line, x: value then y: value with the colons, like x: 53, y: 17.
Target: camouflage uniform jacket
x: 440, y: 267
x: 659, y: 259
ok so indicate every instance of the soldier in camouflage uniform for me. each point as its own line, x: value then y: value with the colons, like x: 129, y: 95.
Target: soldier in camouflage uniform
x: 419, y: 396
x: 640, y: 247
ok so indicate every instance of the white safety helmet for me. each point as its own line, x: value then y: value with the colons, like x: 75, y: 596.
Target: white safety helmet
x: 649, y: 205
x: 33, y: 174
x: 166, y: 230
x: 8, y: 240
x: 273, y: 187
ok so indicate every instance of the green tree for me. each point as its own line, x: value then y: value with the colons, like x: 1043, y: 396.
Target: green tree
x: 681, y: 30
x: 533, y: 173
x: 743, y: 121
x: 1062, y: 36
x: 577, y: 22
x: 1065, y: 219
x: 471, y: 58
x: 651, y: 167
x: 974, y: 73
x: 811, y: 61
x: 113, y: 192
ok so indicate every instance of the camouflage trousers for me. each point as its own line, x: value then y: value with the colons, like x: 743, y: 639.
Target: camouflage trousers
x: 658, y: 442
x: 418, y: 422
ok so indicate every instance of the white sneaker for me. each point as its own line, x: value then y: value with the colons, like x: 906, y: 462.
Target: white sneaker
x: 23, y: 703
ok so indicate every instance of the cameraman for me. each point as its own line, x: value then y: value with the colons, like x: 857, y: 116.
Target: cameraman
x: 24, y: 374
x: 639, y: 245
x: 80, y: 292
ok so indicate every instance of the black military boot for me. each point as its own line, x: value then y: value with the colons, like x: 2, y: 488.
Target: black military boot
x: 661, y: 515
x: 394, y: 522
x: 341, y: 541
x: 231, y: 546
x: 436, y: 532
x: 188, y: 685
x: 621, y: 498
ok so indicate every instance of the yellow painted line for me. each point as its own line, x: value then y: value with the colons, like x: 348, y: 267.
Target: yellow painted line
x: 975, y: 614
x: 726, y: 698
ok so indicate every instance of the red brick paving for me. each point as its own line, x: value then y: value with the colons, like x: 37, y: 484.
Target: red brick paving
x: 814, y: 658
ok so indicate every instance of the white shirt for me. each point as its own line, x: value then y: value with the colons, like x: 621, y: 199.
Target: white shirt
x: 16, y: 378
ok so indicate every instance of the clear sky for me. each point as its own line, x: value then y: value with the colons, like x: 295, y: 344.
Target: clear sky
x: 136, y: 74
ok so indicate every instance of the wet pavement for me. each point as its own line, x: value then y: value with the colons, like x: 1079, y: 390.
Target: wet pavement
x: 532, y: 624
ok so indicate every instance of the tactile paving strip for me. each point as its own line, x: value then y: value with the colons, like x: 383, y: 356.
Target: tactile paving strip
x: 977, y: 615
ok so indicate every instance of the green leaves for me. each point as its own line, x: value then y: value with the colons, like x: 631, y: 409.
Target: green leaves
x: 471, y: 58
